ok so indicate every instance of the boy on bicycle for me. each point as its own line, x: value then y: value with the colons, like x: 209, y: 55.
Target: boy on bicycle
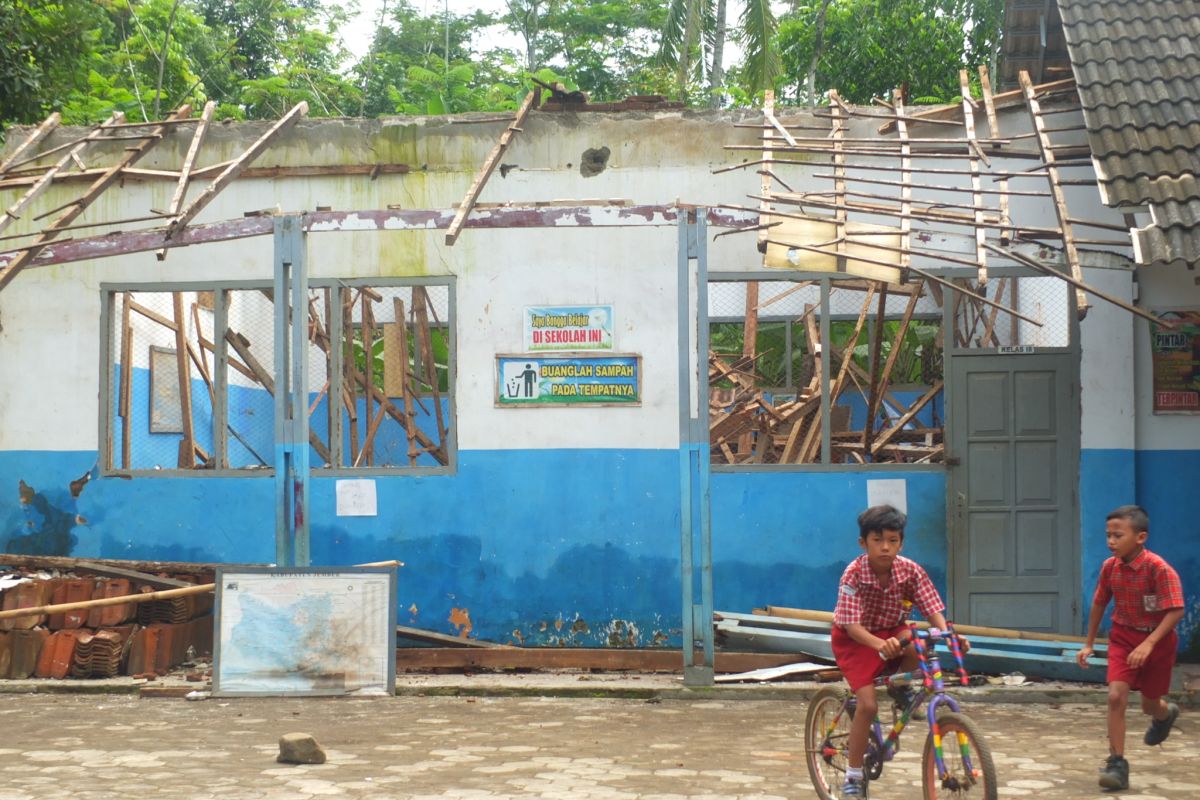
x: 870, y: 636
x: 1148, y: 603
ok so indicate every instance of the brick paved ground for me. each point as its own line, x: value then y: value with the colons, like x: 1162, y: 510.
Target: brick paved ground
x: 88, y: 747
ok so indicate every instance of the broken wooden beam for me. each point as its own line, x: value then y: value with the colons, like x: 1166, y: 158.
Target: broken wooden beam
x: 489, y: 165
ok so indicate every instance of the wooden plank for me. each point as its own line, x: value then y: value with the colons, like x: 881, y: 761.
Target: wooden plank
x: 126, y: 381
x: 416, y: 659
x: 405, y: 383
x: 367, y: 332
x: 749, y: 345
x: 1060, y: 200
x: 976, y: 185
x: 66, y: 563
x: 989, y: 103
x: 77, y: 207
x: 489, y: 165
x: 231, y: 172
x: 187, y: 450
x: 32, y: 140
x: 185, y: 171
x: 422, y: 635
x: 885, y: 376
x: 912, y: 412
x: 14, y: 211
x: 875, y: 378
x: 157, y: 581
x: 1002, y: 100
x: 764, y: 206
x: 241, y: 346
x: 839, y: 179
x: 1079, y: 285
x: 422, y: 306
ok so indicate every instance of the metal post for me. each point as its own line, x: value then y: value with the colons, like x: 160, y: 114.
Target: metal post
x: 826, y: 378
x: 694, y: 473
x: 291, y: 394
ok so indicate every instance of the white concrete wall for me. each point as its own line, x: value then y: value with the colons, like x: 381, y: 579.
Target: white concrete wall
x: 1107, y: 367
x: 50, y: 315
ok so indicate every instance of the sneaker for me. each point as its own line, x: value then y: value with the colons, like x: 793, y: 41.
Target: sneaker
x: 1160, y: 729
x: 854, y: 787
x: 1115, y: 774
x: 903, y: 695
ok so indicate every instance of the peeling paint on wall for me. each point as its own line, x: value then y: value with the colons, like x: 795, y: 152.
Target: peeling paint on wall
x: 460, y: 618
x: 45, y: 530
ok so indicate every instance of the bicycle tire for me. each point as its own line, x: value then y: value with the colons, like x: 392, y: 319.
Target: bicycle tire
x: 979, y: 786
x: 826, y: 767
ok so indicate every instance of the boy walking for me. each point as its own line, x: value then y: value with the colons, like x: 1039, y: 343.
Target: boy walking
x: 1147, y: 605
x: 870, y: 636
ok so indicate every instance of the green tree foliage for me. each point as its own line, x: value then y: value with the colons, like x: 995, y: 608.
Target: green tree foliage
x: 873, y: 46
x: 44, y: 54
x: 257, y: 58
x: 692, y: 44
x: 606, y: 47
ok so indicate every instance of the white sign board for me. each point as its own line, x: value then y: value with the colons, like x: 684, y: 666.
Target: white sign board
x: 309, y: 631
x: 888, y: 491
x: 356, y: 498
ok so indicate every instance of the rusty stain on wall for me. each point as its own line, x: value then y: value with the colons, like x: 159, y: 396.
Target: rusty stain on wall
x: 460, y: 618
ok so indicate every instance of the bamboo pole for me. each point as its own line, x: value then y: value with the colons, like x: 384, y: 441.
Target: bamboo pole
x: 143, y: 597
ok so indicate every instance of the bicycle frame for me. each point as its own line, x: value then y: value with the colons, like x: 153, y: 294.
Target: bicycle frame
x: 881, y: 749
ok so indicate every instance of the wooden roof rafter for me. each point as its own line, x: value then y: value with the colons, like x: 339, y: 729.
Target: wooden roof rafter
x: 231, y: 172
x: 489, y: 165
x: 31, y: 141
x: 14, y: 211
x: 72, y: 210
x: 185, y: 171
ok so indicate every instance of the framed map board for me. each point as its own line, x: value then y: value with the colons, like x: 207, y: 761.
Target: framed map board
x: 305, y: 631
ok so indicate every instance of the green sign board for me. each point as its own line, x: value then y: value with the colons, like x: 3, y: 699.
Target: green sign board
x: 571, y: 379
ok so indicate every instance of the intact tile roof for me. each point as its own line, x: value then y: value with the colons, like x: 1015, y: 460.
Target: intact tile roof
x: 1137, y: 65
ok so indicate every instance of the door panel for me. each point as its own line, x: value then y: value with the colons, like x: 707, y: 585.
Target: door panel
x: 1014, y: 522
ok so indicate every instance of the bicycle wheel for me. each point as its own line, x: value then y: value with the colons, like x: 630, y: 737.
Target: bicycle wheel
x: 826, y: 738
x: 969, y: 769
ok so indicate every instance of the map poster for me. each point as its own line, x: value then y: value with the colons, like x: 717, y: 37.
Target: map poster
x: 568, y: 328
x: 1175, y: 355
x: 305, y: 631
x: 569, y: 380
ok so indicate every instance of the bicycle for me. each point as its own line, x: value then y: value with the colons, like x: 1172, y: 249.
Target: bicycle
x: 963, y: 772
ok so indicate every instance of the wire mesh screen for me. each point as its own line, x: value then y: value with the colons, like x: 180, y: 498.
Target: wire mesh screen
x: 767, y: 397
x: 250, y: 401
x: 1027, y: 312
x: 396, y: 354
x: 162, y: 385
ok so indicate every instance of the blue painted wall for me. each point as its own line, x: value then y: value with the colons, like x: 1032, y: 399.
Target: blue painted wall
x: 1164, y: 483
x: 550, y: 547
x: 784, y: 538
x: 1167, y: 489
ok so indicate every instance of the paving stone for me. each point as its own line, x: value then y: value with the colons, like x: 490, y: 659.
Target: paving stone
x: 450, y: 748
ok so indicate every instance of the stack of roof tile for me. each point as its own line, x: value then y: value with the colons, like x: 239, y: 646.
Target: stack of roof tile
x: 99, y: 655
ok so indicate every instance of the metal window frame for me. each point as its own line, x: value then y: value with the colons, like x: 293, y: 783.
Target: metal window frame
x: 107, y: 358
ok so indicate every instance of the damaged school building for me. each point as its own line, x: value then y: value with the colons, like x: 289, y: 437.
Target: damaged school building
x: 592, y: 371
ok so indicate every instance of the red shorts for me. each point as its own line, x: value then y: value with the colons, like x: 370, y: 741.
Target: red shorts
x: 860, y: 665
x: 1153, y: 679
